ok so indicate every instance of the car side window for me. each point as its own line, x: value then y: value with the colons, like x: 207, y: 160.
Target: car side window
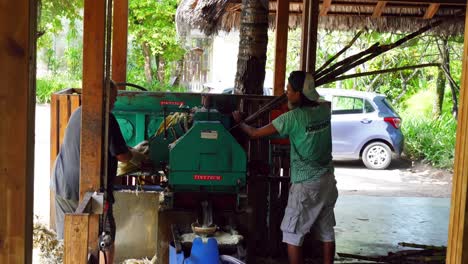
x: 347, y: 105
x: 368, y: 108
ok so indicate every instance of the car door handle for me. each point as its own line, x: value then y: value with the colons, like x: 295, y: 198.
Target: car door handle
x: 366, y: 121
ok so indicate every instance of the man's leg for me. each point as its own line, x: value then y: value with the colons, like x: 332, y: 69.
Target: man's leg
x: 295, y: 254
x: 328, y: 252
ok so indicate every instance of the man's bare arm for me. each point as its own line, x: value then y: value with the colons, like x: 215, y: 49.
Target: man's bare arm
x: 255, y: 133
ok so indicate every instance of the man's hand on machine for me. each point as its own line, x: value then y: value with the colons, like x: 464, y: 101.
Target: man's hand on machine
x: 137, y: 157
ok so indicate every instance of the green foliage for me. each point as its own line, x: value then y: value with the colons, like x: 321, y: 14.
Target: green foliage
x: 46, y: 86
x: 293, y: 56
x: 428, y: 138
x: 431, y: 140
x: 73, y: 55
x: 153, y: 23
x: 52, y: 15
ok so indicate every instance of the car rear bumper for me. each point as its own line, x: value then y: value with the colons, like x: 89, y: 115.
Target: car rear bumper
x: 398, y: 141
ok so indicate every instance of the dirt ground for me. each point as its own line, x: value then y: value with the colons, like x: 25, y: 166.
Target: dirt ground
x: 402, y: 179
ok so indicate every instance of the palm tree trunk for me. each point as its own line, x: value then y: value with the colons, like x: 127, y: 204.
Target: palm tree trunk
x: 252, y: 47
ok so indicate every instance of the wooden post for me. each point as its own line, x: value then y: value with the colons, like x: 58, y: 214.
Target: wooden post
x: 457, y: 252
x: 76, y: 238
x: 92, y: 119
x: 17, y: 107
x: 281, y: 46
x: 312, y: 35
x: 305, y: 33
x: 119, y: 42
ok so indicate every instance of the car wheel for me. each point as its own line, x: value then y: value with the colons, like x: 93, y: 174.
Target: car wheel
x: 377, y: 156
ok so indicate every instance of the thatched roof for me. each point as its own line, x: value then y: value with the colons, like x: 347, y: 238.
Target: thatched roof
x: 210, y: 16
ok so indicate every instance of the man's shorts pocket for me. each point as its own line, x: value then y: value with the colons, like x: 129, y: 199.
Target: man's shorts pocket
x: 290, y: 219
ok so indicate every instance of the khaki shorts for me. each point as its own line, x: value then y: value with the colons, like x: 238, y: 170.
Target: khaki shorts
x: 310, y: 208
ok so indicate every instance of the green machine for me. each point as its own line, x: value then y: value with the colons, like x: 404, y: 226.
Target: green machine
x: 207, y: 157
x: 197, y: 153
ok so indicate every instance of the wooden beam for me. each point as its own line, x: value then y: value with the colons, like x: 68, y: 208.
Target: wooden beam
x: 431, y: 11
x: 281, y: 46
x: 312, y: 35
x: 379, y: 9
x: 17, y: 112
x: 76, y: 238
x: 119, y: 42
x: 390, y: 3
x: 443, y: 2
x: 325, y: 7
x: 304, y: 34
x: 457, y: 251
x: 92, y: 117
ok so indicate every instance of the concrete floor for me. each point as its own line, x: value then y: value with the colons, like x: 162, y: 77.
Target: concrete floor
x: 369, y: 225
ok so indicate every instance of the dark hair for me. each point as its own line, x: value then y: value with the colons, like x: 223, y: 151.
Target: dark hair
x: 296, y: 79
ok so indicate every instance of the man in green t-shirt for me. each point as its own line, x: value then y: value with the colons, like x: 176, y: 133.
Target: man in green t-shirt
x: 313, y: 193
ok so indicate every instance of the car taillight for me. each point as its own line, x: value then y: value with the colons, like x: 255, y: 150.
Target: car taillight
x: 394, y: 121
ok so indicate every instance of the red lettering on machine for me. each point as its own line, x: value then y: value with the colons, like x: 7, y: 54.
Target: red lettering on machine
x: 198, y: 177
x: 171, y: 103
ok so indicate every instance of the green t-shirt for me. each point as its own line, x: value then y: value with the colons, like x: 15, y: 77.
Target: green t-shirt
x: 310, y: 136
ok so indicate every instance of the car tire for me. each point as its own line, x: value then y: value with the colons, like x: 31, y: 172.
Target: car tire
x: 377, y: 156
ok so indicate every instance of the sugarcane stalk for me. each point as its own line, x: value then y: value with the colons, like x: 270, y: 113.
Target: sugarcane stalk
x: 413, y: 245
x: 347, y: 61
x: 267, y: 107
x: 344, y: 77
x: 340, y: 52
x: 354, y: 256
x: 375, y: 50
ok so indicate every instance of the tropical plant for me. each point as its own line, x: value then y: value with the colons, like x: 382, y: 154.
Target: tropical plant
x: 155, y: 46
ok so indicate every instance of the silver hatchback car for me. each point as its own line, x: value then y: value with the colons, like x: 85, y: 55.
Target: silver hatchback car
x: 364, y: 126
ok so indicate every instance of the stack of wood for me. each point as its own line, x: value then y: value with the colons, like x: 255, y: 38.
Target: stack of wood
x: 417, y: 255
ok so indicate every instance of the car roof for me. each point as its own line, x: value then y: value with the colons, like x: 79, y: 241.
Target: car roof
x: 334, y: 91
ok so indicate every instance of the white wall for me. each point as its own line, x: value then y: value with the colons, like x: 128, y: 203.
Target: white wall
x: 223, y: 64
x: 224, y: 58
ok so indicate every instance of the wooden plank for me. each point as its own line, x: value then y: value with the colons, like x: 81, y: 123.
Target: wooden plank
x: 304, y: 34
x: 325, y: 7
x: 312, y: 35
x: 457, y: 251
x: 119, y: 42
x: 92, y: 106
x: 75, y: 102
x: 17, y: 109
x: 64, y: 115
x: 76, y: 238
x: 54, y: 148
x: 379, y: 8
x: 281, y: 46
x: 85, y: 204
x: 431, y: 11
